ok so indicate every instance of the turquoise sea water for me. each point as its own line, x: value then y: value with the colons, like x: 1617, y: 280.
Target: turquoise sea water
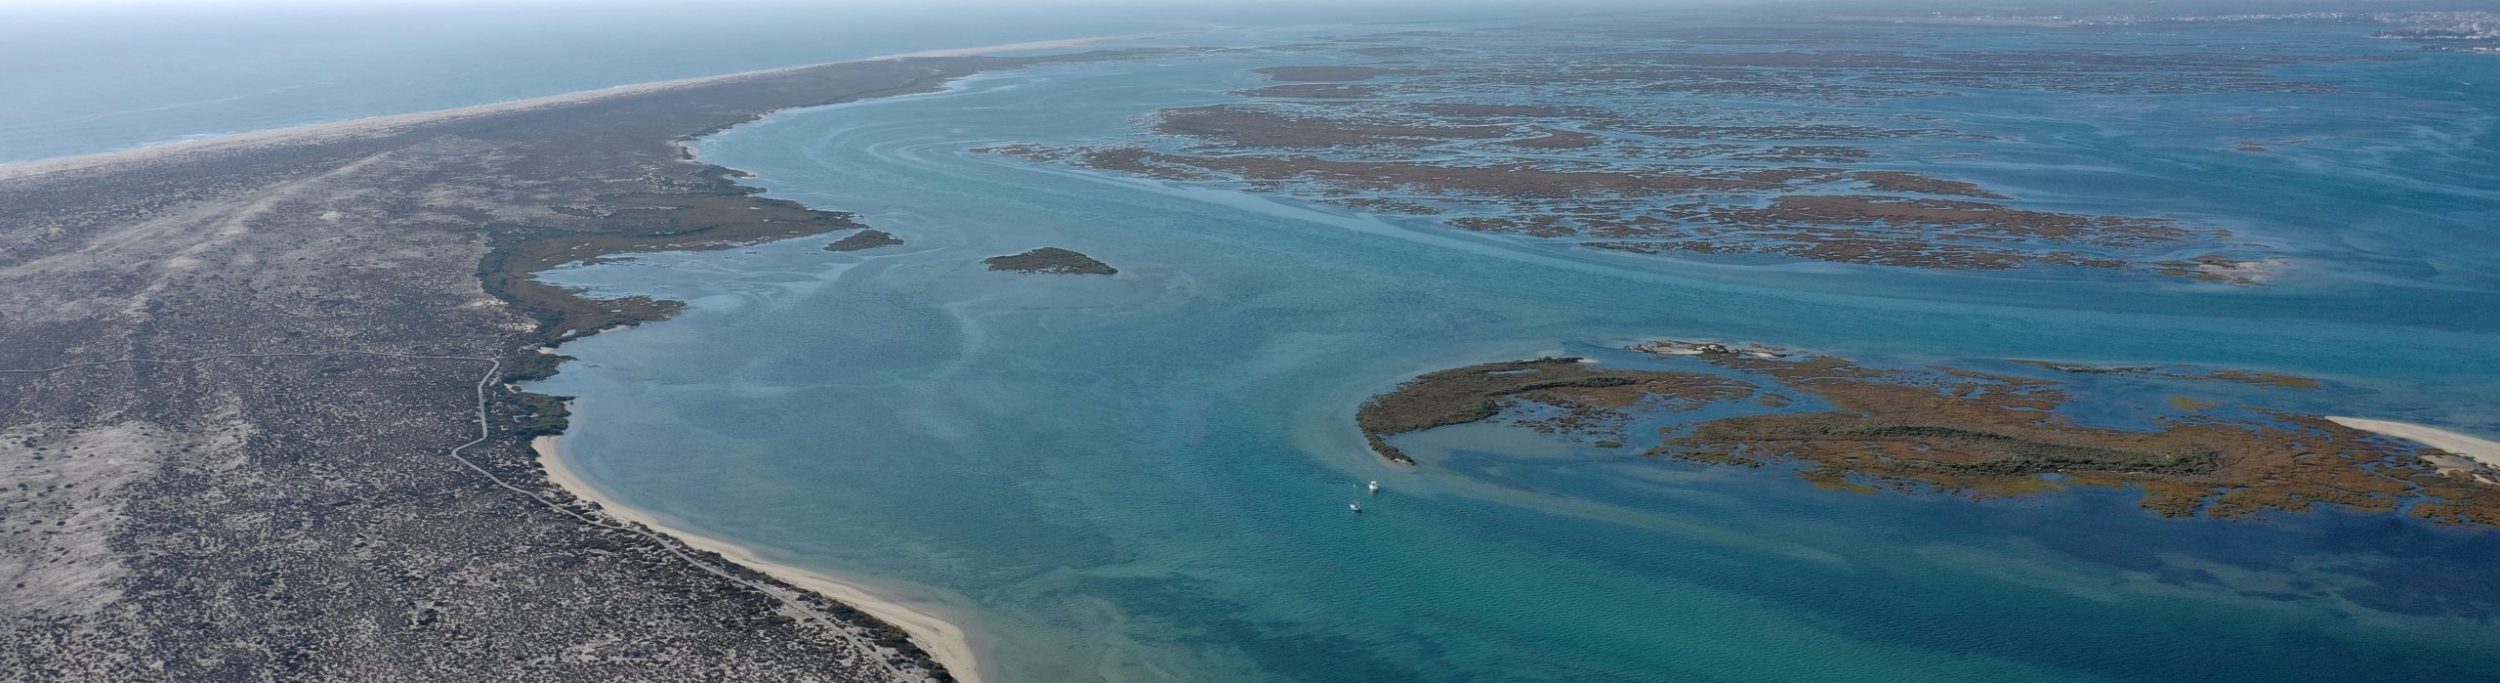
x: 1143, y: 477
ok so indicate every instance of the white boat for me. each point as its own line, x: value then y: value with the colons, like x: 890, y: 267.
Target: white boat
x: 1357, y: 507
x: 1373, y: 487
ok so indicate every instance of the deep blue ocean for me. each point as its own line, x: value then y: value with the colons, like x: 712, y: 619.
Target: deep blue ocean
x: 1143, y: 477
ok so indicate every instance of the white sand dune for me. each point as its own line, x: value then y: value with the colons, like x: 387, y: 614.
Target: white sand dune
x: 2485, y: 451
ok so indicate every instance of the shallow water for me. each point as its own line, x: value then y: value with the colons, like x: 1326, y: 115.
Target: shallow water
x: 1144, y: 477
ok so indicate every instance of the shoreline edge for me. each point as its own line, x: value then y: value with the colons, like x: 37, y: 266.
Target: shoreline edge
x: 2478, y: 449
x: 379, y: 124
x: 944, y: 640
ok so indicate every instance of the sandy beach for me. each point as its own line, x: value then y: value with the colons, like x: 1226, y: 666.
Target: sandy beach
x: 377, y: 125
x: 943, y: 640
x: 2481, y: 450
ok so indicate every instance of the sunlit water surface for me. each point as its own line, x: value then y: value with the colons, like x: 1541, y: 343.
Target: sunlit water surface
x: 1144, y: 477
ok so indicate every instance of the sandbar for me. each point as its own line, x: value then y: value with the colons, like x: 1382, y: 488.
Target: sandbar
x: 385, y: 124
x: 2482, y: 450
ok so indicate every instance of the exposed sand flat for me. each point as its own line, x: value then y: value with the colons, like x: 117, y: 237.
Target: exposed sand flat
x: 380, y: 125
x: 944, y: 641
x: 317, y: 132
x: 2482, y: 450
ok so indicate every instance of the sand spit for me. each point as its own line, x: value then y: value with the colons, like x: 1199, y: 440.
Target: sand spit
x: 944, y: 641
x: 994, y: 49
x: 383, y: 125
x: 2481, y: 450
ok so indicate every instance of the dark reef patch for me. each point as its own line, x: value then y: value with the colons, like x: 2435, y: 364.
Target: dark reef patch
x: 864, y: 239
x: 1050, y: 260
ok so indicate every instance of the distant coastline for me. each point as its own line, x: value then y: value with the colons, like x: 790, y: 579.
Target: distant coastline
x: 389, y: 123
x: 1149, y: 470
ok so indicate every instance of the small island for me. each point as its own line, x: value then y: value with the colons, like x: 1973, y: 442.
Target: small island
x: 864, y: 239
x: 1967, y: 431
x: 1051, y: 260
